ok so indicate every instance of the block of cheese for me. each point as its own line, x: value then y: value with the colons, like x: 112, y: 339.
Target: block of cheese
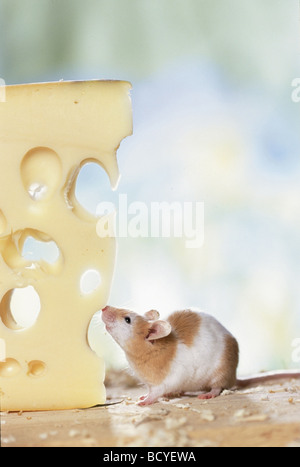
x: 48, y: 131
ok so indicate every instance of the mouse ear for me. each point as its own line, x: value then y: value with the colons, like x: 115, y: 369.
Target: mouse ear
x: 152, y: 315
x: 158, y: 330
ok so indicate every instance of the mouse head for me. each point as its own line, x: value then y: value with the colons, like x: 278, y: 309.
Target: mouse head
x: 127, y: 327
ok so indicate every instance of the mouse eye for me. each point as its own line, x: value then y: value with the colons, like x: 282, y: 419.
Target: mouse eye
x: 127, y: 320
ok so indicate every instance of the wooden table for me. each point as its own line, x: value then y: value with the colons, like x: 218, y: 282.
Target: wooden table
x: 267, y: 415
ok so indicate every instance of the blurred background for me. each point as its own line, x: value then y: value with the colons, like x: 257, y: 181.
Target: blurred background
x: 214, y: 121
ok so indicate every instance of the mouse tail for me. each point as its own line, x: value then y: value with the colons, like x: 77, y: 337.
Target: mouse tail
x: 267, y: 377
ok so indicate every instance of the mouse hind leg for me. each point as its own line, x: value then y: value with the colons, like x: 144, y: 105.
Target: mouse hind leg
x: 214, y: 392
x: 224, y: 377
x: 217, y: 384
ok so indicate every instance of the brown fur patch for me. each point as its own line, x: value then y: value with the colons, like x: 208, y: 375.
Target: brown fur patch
x: 150, y: 360
x: 225, y: 376
x: 186, y: 325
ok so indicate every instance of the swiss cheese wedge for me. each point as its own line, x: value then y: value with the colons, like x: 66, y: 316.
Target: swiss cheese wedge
x: 48, y: 132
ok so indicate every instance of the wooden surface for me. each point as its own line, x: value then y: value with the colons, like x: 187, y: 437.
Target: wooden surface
x: 268, y: 416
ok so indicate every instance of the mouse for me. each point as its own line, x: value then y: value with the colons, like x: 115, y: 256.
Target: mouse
x: 190, y: 351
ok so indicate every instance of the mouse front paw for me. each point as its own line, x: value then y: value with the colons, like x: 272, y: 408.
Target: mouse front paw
x: 148, y: 399
x: 143, y: 397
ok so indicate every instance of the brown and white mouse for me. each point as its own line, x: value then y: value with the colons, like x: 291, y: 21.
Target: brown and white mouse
x: 190, y: 351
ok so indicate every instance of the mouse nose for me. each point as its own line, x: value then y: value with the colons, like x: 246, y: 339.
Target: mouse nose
x: 108, y: 314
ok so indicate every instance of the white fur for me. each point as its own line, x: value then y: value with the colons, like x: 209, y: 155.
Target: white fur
x: 120, y: 330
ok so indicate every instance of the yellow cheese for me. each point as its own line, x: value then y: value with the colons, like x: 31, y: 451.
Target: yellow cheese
x: 47, y: 133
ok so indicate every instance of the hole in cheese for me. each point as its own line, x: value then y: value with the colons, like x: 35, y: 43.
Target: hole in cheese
x: 37, y: 191
x: 31, y: 249
x: 41, y: 173
x: 10, y: 367
x: 87, y: 186
x: 20, y: 308
x: 36, y: 368
x: 37, y: 250
x: 90, y: 281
